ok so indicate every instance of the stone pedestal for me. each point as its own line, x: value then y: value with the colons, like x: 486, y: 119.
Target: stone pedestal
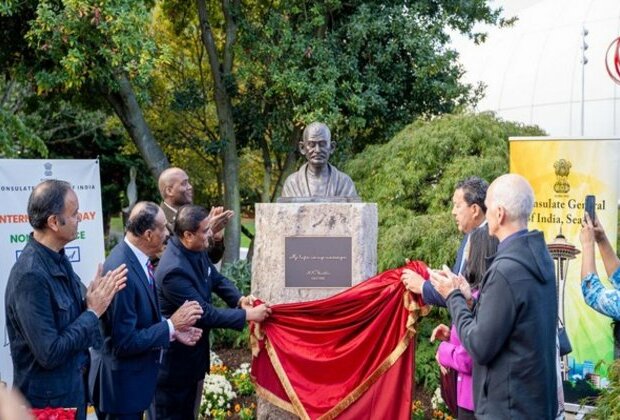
x: 345, y: 222
x: 352, y: 227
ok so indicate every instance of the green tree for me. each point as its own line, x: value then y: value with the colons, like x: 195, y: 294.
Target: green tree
x: 87, y: 48
x: 412, y: 178
x: 366, y: 68
x: 223, y: 16
x: 18, y: 135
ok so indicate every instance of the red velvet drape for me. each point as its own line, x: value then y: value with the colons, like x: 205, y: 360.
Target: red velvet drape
x: 350, y: 355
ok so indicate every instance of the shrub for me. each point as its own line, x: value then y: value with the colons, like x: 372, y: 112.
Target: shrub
x: 240, y: 274
x: 412, y: 179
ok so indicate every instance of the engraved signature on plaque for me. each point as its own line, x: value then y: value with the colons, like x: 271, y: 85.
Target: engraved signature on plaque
x: 317, y: 261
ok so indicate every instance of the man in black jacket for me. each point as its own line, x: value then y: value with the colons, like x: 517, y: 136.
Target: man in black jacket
x: 51, y: 318
x: 511, y: 334
x: 186, y: 273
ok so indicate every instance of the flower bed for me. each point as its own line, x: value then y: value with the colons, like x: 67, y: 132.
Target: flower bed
x: 224, y: 391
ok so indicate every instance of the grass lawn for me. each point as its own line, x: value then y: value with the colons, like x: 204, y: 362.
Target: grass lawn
x: 249, y: 225
x: 116, y: 224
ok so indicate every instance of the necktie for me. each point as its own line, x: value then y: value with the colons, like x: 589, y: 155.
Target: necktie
x: 150, y: 270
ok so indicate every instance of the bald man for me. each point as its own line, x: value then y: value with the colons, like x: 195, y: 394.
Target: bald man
x: 176, y: 191
x: 317, y: 177
x: 511, y: 333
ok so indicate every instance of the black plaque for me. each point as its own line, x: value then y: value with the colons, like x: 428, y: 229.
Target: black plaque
x: 315, y: 261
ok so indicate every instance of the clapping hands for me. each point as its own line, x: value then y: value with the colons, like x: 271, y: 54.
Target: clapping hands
x: 445, y: 281
x: 103, y: 288
x: 189, y: 337
x: 186, y: 315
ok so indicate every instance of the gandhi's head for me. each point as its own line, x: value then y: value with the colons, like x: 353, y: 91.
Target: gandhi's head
x: 316, y: 145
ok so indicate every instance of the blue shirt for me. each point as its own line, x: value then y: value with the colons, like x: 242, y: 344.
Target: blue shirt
x: 605, y: 301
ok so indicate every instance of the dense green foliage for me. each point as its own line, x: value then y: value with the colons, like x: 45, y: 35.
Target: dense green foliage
x: 608, y: 403
x: 240, y: 274
x: 412, y: 179
x: 366, y: 68
x: 87, y: 43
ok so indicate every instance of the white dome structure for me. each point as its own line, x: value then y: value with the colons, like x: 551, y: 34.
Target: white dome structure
x: 533, y: 70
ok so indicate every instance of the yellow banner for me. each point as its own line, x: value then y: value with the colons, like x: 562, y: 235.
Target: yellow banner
x: 562, y: 172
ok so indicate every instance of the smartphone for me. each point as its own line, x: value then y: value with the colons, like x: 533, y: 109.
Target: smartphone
x: 590, y: 204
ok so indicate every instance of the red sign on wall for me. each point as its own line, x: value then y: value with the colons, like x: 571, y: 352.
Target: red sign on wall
x: 612, y: 60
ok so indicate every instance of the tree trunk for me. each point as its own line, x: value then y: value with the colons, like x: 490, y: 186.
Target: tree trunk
x: 128, y: 110
x: 223, y: 105
x: 267, y: 165
x: 290, y: 161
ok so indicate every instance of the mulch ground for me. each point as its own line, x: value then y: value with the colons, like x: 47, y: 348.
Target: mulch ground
x: 233, y: 358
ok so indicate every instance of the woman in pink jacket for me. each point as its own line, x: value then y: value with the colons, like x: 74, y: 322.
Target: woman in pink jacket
x: 451, y: 354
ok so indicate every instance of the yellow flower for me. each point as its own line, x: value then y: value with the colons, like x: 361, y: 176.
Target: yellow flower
x: 237, y: 408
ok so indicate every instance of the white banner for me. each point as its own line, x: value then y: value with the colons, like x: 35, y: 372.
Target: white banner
x: 17, y: 179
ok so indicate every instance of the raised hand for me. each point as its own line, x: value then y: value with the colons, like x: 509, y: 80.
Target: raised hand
x: 441, y: 332
x: 218, y: 219
x: 102, y: 289
x: 588, y: 234
x: 258, y: 313
x: 189, y: 337
x: 599, y: 232
x: 186, y: 315
x: 443, y: 281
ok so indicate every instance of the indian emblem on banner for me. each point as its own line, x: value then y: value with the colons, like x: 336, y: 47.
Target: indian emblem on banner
x: 48, y: 169
x: 612, y: 60
x: 562, y: 169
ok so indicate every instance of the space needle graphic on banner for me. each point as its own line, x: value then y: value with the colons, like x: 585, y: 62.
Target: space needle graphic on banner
x: 562, y: 171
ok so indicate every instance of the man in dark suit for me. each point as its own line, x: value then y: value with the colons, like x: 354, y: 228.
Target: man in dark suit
x: 186, y: 273
x: 123, y: 380
x: 50, y: 322
x: 469, y: 210
x: 176, y: 191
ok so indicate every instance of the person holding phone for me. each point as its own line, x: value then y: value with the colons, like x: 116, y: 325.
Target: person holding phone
x: 597, y: 296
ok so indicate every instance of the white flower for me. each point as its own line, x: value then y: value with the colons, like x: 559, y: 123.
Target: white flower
x: 218, y: 392
x: 215, y: 359
x: 436, y: 400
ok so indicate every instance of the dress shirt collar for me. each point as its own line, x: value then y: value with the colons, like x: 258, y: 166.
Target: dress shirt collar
x: 172, y: 209
x: 143, y: 259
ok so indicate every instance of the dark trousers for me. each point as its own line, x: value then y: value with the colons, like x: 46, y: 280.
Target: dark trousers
x: 465, y: 414
x: 150, y: 413
x: 178, y: 402
x: 108, y: 416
